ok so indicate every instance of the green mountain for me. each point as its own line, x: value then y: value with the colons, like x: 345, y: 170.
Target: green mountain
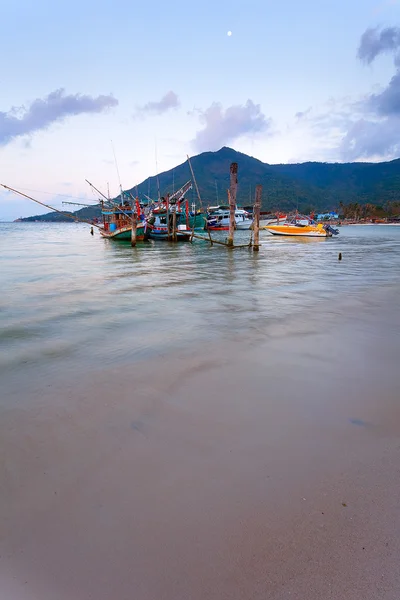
x: 86, y: 214
x: 375, y: 183
x: 306, y: 186
x: 211, y: 169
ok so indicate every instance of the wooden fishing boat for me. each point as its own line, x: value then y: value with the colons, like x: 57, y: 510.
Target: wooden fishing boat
x: 170, y: 218
x: 118, y: 220
x: 161, y: 226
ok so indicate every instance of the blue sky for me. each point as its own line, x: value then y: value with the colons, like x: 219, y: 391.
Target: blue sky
x: 296, y: 81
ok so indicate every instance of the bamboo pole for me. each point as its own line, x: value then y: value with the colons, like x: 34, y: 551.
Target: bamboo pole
x: 232, y: 201
x: 168, y: 224
x: 68, y: 215
x: 256, y: 219
x: 174, y: 224
x: 220, y: 243
x: 98, y: 191
x: 134, y: 229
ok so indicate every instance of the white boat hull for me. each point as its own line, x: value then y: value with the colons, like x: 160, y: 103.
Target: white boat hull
x: 247, y: 224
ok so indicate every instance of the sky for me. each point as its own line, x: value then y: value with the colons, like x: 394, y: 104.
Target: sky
x: 117, y: 91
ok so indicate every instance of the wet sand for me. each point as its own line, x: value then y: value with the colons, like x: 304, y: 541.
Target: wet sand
x: 261, y: 470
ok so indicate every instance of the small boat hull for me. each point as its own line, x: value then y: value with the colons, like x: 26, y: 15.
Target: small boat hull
x: 124, y: 233
x: 295, y: 231
x: 212, y: 228
x: 246, y: 224
x: 161, y: 233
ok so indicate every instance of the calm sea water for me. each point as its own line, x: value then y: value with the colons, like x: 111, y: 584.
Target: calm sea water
x: 71, y: 302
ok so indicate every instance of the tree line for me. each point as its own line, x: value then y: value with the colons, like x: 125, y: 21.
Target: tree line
x: 357, y: 211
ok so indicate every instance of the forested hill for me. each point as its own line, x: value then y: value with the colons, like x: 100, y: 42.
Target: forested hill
x: 312, y: 185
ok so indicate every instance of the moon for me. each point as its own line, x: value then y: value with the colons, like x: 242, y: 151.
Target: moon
x: 229, y: 33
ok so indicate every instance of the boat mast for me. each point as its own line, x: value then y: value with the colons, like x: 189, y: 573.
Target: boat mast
x: 119, y: 178
x: 158, y: 181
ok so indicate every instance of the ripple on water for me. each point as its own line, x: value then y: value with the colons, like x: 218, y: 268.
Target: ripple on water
x: 74, y: 300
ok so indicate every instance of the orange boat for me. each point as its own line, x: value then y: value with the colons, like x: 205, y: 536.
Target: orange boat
x: 300, y: 226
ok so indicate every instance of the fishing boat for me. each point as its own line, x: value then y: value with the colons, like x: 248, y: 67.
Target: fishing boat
x: 218, y: 219
x: 302, y: 226
x: 167, y: 224
x: 118, y: 220
x: 168, y: 221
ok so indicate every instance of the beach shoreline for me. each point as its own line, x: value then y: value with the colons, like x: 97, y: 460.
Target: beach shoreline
x: 258, y: 470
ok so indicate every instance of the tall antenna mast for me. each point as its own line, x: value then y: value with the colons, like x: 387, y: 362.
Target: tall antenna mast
x: 116, y: 166
x: 158, y: 181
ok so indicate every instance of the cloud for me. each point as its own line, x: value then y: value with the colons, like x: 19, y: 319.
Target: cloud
x: 371, y: 139
x: 374, y: 42
x: 222, y: 126
x: 167, y: 102
x: 376, y: 133
x: 43, y: 112
x: 387, y: 103
x: 371, y: 126
x: 367, y: 128
x: 304, y: 113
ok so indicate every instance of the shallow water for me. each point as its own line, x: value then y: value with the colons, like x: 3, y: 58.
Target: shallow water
x: 191, y: 422
x: 71, y: 302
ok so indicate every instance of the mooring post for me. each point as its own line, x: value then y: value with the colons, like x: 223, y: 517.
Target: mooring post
x: 134, y: 227
x: 168, y: 223
x: 256, y: 218
x: 174, y: 223
x: 187, y: 213
x: 232, y: 202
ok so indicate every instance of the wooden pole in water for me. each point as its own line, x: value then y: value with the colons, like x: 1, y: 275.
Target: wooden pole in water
x: 256, y: 219
x: 232, y: 202
x: 174, y: 224
x: 134, y: 223
x: 168, y: 224
x: 134, y: 230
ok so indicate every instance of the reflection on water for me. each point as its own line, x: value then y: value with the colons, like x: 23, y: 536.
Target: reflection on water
x: 72, y: 301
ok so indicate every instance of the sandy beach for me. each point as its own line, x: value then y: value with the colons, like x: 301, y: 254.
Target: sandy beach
x: 265, y: 470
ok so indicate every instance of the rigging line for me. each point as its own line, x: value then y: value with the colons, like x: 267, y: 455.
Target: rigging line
x: 158, y: 181
x: 116, y: 166
x: 54, y: 194
x: 69, y: 215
